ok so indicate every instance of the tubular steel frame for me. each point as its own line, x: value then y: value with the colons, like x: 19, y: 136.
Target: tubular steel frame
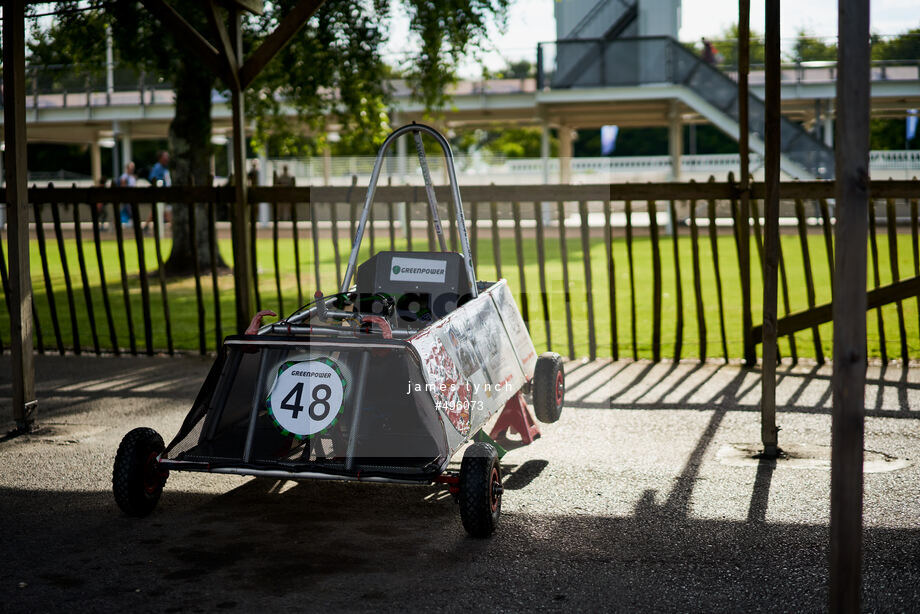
x: 417, y: 129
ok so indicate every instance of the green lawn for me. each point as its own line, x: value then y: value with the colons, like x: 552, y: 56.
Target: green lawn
x: 184, y: 314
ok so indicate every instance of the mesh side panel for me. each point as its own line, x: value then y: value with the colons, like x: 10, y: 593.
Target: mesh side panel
x: 190, y: 432
x: 189, y: 441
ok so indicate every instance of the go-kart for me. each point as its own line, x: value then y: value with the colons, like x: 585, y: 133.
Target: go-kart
x: 383, y: 381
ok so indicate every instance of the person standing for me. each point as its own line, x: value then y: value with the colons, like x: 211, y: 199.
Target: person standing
x: 101, y: 212
x: 287, y: 181
x: 253, y: 174
x: 709, y: 52
x: 159, y: 174
x: 127, y: 180
x: 159, y: 177
x: 285, y: 178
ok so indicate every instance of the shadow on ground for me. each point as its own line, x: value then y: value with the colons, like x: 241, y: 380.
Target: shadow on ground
x: 66, y: 385
x: 266, y: 544
x: 891, y: 391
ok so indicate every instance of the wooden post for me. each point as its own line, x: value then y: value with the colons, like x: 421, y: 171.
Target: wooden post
x: 242, y: 271
x: 95, y: 160
x: 768, y: 430
x: 849, y: 307
x: 744, y: 228
x: 565, y: 154
x: 14, y: 128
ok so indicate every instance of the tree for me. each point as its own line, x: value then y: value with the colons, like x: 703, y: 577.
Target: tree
x: 808, y: 48
x: 507, y: 141
x: 333, y: 67
x: 890, y: 133
x: 904, y: 46
x: 521, y: 69
x: 727, y: 46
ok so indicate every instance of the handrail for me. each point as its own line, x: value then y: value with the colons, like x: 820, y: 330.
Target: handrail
x: 595, y: 10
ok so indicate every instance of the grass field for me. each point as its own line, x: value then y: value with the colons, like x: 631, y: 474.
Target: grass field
x: 184, y: 313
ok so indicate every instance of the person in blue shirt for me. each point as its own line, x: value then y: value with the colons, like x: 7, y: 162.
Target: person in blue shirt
x: 160, y: 171
x: 127, y: 180
x: 159, y: 176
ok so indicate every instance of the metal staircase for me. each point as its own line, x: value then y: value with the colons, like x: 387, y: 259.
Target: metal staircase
x: 606, y: 19
x: 662, y: 61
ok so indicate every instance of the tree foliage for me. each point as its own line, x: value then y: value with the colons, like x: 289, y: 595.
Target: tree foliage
x: 727, y: 46
x: 808, y: 48
x: 331, y: 72
x: 446, y: 30
x: 334, y: 67
x: 507, y: 142
x: 905, y: 46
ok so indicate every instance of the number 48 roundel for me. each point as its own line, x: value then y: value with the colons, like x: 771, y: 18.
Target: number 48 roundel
x: 307, y: 397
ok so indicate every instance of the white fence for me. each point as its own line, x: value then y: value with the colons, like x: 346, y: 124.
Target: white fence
x: 526, y: 171
x: 504, y: 171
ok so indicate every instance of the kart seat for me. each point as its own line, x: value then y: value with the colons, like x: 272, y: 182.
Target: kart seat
x: 412, y: 289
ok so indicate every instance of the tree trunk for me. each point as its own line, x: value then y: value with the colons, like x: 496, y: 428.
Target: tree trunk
x: 190, y: 150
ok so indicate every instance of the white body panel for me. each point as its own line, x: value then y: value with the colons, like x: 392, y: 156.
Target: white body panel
x: 474, y: 360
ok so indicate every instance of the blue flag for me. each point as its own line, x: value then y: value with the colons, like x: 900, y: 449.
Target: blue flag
x: 911, y: 124
x: 609, y: 139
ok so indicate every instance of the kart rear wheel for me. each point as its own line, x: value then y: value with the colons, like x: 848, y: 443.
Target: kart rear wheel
x: 480, y: 490
x: 137, y: 480
x: 548, y: 387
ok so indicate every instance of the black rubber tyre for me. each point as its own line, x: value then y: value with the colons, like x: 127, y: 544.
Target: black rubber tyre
x: 480, y: 490
x: 137, y: 482
x: 548, y: 387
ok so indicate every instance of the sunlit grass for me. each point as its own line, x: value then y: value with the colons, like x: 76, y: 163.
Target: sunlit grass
x: 182, y: 301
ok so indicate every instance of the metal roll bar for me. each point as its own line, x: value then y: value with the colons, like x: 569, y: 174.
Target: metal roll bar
x: 417, y: 129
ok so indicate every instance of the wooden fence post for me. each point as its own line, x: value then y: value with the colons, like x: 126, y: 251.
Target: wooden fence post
x: 768, y: 430
x: 849, y: 308
x: 744, y: 216
x: 20, y: 279
x: 243, y: 272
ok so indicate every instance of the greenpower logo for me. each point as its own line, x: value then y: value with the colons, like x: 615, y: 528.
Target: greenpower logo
x: 417, y: 270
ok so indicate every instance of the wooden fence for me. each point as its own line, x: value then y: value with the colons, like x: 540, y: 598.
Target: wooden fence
x: 634, y: 270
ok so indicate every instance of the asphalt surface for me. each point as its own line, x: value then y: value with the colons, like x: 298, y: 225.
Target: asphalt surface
x: 626, y: 503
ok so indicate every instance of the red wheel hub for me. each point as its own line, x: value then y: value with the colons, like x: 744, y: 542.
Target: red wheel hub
x: 560, y: 388
x: 153, y: 476
x: 495, y: 489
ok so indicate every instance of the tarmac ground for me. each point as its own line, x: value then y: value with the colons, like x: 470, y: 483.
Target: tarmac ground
x: 642, y: 497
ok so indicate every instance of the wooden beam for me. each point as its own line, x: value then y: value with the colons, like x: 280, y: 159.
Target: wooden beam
x: 877, y: 297
x: 768, y: 430
x: 243, y: 275
x: 14, y: 129
x: 880, y: 188
x: 289, y: 26
x: 256, y: 7
x: 175, y: 194
x: 227, y: 54
x: 849, y: 378
x: 484, y: 193
x: 187, y: 35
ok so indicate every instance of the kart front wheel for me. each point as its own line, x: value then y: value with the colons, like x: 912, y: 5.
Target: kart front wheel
x: 548, y: 387
x: 480, y: 490
x: 137, y: 480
